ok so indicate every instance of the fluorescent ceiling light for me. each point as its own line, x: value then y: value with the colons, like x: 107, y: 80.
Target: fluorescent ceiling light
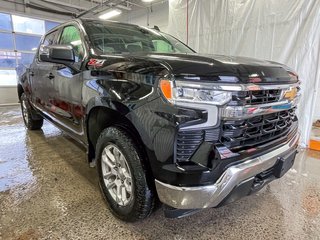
x: 110, y: 13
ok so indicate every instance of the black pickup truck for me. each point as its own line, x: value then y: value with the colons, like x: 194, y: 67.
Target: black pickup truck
x: 160, y: 121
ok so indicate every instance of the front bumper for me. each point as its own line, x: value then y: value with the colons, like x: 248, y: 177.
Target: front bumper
x: 213, y: 195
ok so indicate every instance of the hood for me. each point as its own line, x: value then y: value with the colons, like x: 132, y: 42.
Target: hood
x: 216, y: 67
x: 219, y: 67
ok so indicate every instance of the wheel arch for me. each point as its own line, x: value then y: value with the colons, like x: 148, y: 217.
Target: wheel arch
x: 20, y: 90
x: 102, y: 117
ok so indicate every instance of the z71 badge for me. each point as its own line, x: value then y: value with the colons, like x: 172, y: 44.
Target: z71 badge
x: 96, y: 63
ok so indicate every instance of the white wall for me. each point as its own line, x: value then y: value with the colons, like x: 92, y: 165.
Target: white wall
x: 158, y: 16
x: 317, y: 107
x: 8, y: 95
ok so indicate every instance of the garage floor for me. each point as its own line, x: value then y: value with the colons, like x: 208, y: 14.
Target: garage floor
x: 47, y: 191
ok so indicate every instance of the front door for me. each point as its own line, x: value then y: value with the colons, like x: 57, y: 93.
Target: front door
x: 67, y: 85
x: 41, y: 80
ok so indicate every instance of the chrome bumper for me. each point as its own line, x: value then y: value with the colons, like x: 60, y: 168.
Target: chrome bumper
x: 211, y: 195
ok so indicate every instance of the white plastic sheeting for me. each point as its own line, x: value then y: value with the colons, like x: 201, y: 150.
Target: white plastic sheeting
x: 286, y: 31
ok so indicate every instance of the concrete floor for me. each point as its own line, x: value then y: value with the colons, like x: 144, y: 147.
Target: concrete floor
x: 47, y: 191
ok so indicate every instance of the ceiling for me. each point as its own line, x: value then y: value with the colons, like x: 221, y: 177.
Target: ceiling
x: 91, y: 7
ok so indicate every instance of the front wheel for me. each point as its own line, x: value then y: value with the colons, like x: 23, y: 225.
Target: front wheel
x: 121, y: 176
x: 30, y: 122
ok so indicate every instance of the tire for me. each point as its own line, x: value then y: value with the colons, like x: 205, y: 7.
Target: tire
x: 32, y: 121
x: 132, y: 206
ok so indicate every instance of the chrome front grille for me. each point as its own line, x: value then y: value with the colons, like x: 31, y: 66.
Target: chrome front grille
x: 256, y: 130
x: 243, y: 98
x: 258, y: 100
x: 255, y: 116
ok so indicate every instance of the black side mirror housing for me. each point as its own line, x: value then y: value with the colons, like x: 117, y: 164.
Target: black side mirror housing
x: 63, y: 54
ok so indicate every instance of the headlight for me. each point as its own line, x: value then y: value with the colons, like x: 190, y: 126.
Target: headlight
x: 187, y: 92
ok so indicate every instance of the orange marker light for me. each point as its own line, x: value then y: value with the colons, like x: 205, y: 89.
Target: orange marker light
x: 165, y: 87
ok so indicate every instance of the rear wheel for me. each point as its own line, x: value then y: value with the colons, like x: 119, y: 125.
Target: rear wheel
x: 31, y: 120
x: 121, y: 176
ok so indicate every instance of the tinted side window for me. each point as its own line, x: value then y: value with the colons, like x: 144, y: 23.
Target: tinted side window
x: 71, y: 36
x: 49, y: 39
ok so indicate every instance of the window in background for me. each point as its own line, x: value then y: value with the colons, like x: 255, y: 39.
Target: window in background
x: 19, y: 40
x: 7, y: 59
x: 27, y: 43
x: 49, y: 25
x: 8, y: 77
x: 25, y: 58
x: 28, y: 25
x: 5, y: 22
x: 6, y: 41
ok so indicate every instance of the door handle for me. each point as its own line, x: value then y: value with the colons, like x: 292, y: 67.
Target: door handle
x: 50, y: 76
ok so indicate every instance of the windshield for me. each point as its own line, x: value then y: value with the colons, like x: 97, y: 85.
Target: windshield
x: 111, y: 37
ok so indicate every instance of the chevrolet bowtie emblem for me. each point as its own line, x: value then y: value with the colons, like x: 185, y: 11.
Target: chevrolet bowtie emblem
x: 290, y: 94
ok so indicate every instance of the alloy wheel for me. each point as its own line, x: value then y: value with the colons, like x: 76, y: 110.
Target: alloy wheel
x: 116, y: 175
x: 25, y: 111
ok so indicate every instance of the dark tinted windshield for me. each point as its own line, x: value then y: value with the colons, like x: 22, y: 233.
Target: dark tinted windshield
x: 118, y: 38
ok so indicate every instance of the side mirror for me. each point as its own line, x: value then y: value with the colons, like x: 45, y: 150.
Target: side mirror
x: 63, y: 54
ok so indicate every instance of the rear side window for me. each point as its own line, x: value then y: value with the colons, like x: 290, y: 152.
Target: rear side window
x: 71, y: 36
